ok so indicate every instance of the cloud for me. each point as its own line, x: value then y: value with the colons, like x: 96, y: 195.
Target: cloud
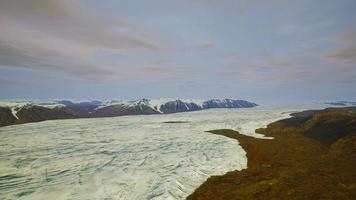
x: 207, y: 46
x: 287, y: 29
x: 273, y: 61
x: 64, y: 36
x: 282, y: 70
x: 18, y: 57
x: 344, y: 48
x: 265, y: 61
x: 70, y: 21
x: 331, y: 61
x: 11, y: 81
x: 345, y: 54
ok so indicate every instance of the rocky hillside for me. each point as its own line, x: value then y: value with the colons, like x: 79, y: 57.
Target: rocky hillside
x: 24, y: 112
x: 6, y: 116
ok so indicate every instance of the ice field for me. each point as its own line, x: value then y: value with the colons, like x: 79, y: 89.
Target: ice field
x: 130, y: 157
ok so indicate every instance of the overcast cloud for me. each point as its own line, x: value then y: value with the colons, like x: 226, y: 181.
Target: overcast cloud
x: 293, y: 50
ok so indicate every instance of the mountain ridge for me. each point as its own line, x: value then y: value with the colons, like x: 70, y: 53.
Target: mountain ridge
x: 26, y: 111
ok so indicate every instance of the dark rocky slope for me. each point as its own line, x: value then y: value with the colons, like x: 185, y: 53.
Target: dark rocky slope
x: 313, y: 156
x: 34, y: 113
x: 6, y: 116
x: 179, y: 106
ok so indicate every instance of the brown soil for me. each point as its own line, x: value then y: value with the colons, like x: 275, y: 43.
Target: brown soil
x: 308, y: 159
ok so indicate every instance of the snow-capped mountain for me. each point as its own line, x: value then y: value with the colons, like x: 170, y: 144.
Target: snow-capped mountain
x: 227, y: 103
x: 25, y: 111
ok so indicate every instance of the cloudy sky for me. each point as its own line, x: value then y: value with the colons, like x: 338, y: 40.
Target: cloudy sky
x: 260, y: 50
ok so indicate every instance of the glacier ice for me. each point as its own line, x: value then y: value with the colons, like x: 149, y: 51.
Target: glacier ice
x: 130, y: 157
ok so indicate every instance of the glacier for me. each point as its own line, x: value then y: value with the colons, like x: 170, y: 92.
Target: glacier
x: 129, y: 157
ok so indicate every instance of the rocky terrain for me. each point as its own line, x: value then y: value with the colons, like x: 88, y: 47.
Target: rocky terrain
x: 312, y: 156
x: 342, y: 103
x: 24, y: 112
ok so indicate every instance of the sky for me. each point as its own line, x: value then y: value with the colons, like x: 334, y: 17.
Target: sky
x: 258, y: 50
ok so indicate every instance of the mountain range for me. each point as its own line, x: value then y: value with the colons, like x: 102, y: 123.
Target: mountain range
x: 18, y: 112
